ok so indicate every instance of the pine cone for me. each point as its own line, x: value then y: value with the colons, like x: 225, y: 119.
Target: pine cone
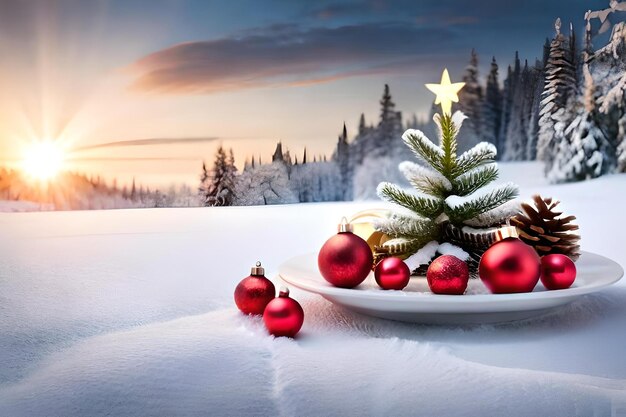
x: 544, y: 229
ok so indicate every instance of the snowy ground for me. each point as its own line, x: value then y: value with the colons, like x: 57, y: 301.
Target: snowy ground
x: 130, y: 312
x: 19, y: 206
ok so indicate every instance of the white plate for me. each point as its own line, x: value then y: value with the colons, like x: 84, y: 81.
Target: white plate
x: 417, y: 304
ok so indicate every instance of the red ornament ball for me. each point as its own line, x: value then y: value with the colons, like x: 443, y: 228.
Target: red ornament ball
x: 509, y: 266
x: 557, y: 272
x: 253, y: 293
x: 283, y: 315
x: 392, y: 274
x: 447, y: 275
x: 345, y: 260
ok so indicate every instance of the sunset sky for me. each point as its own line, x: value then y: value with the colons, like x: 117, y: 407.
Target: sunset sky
x: 243, y: 73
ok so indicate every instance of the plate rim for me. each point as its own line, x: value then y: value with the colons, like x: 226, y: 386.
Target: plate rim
x: 445, y: 298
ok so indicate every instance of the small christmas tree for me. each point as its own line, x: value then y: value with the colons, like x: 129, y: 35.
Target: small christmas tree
x: 456, y: 206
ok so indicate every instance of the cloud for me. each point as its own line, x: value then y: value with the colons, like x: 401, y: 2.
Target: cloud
x: 147, y: 142
x: 331, y: 11
x: 289, y: 55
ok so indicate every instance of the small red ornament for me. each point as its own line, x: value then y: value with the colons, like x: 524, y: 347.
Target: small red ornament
x: 392, y: 274
x: 283, y: 315
x: 557, y: 272
x: 254, y: 292
x: 509, y: 265
x: 447, y: 275
x: 345, y: 260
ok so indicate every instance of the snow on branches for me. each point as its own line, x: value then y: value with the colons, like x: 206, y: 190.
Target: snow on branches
x: 449, y: 189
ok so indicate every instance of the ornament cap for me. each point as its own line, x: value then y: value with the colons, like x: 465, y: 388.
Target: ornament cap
x: 506, y: 232
x: 284, y: 292
x: 345, y: 226
x: 257, y: 270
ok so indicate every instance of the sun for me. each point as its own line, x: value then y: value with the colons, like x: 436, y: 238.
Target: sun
x: 43, y: 160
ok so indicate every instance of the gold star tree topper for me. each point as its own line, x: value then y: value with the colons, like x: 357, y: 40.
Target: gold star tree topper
x: 446, y: 92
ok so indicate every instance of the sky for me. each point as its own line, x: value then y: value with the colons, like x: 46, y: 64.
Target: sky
x: 174, y: 79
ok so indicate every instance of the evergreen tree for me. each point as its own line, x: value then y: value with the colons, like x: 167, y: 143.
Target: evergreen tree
x: 560, y: 84
x: 523, y: 125
x: 265, y: 184
x: 362, y: 125
x: 517, y: 134
x: 584, y: 151
x: 204, y: 187
x: 452, y: 191
x: 573, y: 52
x: 388, y: 127
x: 342, y: 158
x: 230, y: 166
x: 278, y: 153
x: 537, y: 81
x: 546, y: 52
x: 133, y: 192
x: 471, y: 100
x: 492, y: 112
x: 507, y: 102
x: 221, y: 183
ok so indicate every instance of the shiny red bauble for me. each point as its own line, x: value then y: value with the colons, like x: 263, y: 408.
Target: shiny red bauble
x: 557, y: 272
x: 447, y: 275
x: 509, y: 266
x: 392, y: 274
x: 345, y: 260
x: 253, y: 293
x: 283, y: 315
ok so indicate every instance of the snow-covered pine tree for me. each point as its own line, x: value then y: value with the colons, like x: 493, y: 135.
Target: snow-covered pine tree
x: 231, y: 174
x: 492, y: 112
x: 221, y: 184
x: 316, y: 182
x: 264, y: 184
x: 583, y: 151
x: 471, y: 102
x: 560, y: 85
x: 609, y: 67
x: 455, y: 197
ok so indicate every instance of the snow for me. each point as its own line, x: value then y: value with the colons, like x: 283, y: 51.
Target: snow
x: 456, y: 201
x: 495, y: 215
x: 486, y: 149
x: 422, y: 256
x: 130, y: 312
x: 12, y: 206
x: 615, y: 96
x: 411, y: 134
x: 413, y: 172
x: 449, y: 249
